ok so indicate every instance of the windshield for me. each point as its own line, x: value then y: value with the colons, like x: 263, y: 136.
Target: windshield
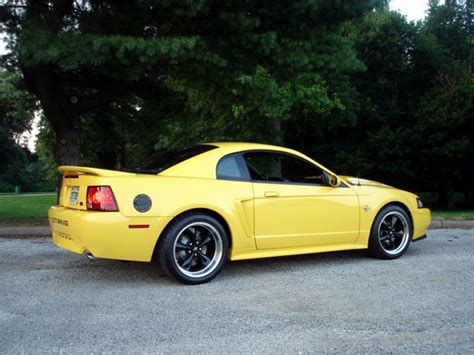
x: 166, y: 159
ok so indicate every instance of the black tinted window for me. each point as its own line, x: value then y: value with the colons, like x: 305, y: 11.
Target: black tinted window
x: 166, y: 159
x: 269, y: 166
x: 229, y: 168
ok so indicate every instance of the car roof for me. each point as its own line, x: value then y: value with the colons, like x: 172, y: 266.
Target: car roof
x: 204, y: 165
x: 242, y: 146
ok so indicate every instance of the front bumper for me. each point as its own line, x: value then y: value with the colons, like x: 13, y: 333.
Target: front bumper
x: 105, y: 234
x: 420, y: 238
x: 421, y: 222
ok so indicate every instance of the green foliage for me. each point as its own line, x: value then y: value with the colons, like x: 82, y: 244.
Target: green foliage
x: 443, y: 62
x: 416, y: 96
x: 352, y: 84
x: 17, y: 165
x: 384, y: 41
x: 446, y: 116
x: 287, y: 62
x: 451, y: 24
x: 16, y: 104
x: 47, y: 164
x: 219, y: 70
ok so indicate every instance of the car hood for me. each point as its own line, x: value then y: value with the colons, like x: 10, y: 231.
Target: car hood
x: 355, y: 181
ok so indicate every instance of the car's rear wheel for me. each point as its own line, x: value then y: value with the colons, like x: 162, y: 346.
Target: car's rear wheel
x: 391, y: 233
x: 193, y: 249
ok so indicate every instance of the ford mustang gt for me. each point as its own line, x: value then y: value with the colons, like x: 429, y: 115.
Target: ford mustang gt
x: 189, y: 210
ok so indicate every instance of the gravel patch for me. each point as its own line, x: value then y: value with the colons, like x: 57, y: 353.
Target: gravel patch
x: 52, y: 300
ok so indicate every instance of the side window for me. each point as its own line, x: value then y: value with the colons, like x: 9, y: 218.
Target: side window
x: 229, y: 168
x: 269, y: 166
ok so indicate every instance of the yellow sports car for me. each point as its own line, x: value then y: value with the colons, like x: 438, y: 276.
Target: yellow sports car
x: 191, y: 209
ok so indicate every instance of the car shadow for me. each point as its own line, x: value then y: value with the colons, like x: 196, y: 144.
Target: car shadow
x: 294, y: 262
x: 112, y: 272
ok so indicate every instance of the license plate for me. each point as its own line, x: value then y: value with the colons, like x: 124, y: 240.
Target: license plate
x: 73, y: 196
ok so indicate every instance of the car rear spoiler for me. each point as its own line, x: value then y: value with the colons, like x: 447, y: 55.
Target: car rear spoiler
x: 81, y: 170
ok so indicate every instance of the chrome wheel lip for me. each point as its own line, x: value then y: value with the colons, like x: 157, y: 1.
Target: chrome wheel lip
x: 406, y: 232
x: 218, y: 253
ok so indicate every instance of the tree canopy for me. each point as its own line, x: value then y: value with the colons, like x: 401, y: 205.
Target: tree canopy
x: 352, y: 84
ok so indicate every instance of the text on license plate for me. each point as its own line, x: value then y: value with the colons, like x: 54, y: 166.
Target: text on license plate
x: 73, y: 196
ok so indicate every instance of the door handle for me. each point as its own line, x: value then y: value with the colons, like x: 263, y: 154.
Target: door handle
x: 271, y: 194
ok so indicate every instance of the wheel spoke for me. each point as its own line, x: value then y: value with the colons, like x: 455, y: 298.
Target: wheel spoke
x: 188, y: 262
x: 182, y: 246
x: 206, y: 240
x: 385, y: 227
x: 190, y: 235
x: 399, y: 233
x: 193, y: 233
x: 204, y: 258
x: 394, y: 220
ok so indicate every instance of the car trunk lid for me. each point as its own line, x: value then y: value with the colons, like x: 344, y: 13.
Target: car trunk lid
x: 76, y: 179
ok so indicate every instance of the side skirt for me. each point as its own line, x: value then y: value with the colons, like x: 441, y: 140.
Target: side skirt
x: 270, y: 253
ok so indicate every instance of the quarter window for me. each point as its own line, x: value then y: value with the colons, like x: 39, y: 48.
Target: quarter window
x: 229, y: 168
x: 279, y: 167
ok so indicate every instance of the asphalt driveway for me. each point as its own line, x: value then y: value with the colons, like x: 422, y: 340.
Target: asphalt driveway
x: 51, y: 300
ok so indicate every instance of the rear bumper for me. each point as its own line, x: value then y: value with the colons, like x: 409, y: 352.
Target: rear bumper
x: 421, y: 222
x: 105, y: 234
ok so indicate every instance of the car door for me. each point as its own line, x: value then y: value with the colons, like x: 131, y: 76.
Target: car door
x: 295, y: 207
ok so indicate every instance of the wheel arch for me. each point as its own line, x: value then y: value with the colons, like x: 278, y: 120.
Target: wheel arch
x: 207, y: 211
x: 399, y: 204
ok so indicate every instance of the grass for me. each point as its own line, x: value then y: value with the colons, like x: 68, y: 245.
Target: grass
x: 25, y: 209
x: 454, y: 215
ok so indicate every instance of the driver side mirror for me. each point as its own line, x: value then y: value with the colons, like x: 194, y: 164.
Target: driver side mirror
x: 334, y: 181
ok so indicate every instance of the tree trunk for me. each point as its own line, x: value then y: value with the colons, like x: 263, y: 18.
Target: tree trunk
x: 67, y: 149
x: 275, y: 123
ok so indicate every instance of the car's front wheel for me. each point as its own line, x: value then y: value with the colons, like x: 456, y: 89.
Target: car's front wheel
x: 193, y: 249
x: 391, y: 233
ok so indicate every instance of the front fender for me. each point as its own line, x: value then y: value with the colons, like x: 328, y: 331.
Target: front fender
x: 374, y: 199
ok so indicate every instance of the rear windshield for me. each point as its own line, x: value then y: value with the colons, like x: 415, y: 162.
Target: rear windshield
x: 166, y: 159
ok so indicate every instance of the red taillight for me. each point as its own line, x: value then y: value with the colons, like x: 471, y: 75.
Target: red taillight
x: 101, y: 198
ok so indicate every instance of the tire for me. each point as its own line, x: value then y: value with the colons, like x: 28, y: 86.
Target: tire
x: 391, y: 233
x: 193, y: 249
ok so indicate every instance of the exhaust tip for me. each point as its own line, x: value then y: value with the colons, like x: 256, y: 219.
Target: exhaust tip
x: 89, y: 256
